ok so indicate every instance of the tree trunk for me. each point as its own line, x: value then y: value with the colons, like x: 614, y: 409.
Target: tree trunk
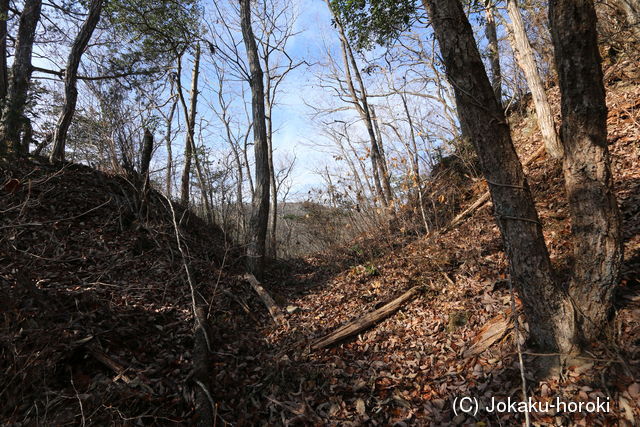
x: 526, y: 61
x: 362, y: 106
x: 415, y: 160
x: 595, y: 218
x: 169, y: 176
x: 494, y: 53
x: 548, y: 311
x: 71, y: 79
x: 382, y: 158
x: 190, y: 144
x: 272, y: 175
x: 260, y: 204
x: 4, y: 75
x: 20, y: 79
x: 191, y: 125
x: 147, y: 151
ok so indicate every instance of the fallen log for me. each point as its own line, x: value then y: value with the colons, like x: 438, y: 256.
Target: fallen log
x: 107, y: 361
x: 365, y: 322
x: 271, y: 305
x: 486, y: 196
x: 474, y: 206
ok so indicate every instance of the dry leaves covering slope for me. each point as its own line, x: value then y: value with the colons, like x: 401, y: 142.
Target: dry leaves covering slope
x: 95, y: 313
x: 83, y: 277
x: 408, y: 369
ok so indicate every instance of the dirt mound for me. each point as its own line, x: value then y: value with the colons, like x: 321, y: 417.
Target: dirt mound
x: 96, y: 318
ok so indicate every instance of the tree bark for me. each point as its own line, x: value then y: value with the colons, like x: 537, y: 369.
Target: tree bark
x: 527, y: 62
x: 548, y: 310
x: 494, y: 53
x: 191, y: 125
x: 20, y: 79
x: 382, y: 158
x: 147, y: 151
x: 260, y: 204
x: 169, y: 176
x: 273, y: 244
x: 595, y: 218
x: 71, y: 79
x: 4, y: 75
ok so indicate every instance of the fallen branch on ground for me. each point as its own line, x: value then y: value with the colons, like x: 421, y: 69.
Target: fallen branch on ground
x: 365, y: 322
x: 102, y: 357
x: 273, y: 308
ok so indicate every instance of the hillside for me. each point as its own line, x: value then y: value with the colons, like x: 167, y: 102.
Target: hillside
x: 97, y: 325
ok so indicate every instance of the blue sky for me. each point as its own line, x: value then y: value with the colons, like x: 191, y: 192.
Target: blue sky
x: 296, y: 133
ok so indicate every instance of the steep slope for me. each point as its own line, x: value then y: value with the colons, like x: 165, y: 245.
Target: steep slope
x: 97, y: 323
x: 96, y: 320
x: 410, y: 368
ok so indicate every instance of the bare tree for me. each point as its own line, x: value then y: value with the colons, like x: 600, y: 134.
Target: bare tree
x: 190, y: 115
x: 191, y: 152
x: 526, y: 61
x: 71, y: 79
x: 260, y: 212
x: 168, y: 143
x: 360, y: 102
x: 548, y: 309
x: 275, y: 29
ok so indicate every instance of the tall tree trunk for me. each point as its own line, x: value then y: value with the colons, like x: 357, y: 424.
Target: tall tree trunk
x: 548, y: 310
x: 361, y: 104
x: 147, y: 151
x: 382, y: 158
x: 71, y: 79
x: 190, y: 144
x: 191, y: 125
x: 273, y: 250
x: 169, y: 176
x: 240, y: 209
x: 260, y: 204
x: 4, y: 75
x: 273, y: 208
x: 595, y: 218
x: 526, y: 61
x: 20, y: 79
x: 494, y: 52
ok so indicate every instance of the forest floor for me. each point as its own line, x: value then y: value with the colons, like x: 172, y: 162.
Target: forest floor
x: 96, y: 324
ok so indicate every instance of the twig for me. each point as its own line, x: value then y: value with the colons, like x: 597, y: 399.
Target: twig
x: 37, y: 224
x: 514, y: 313
x: 191, y: 287
x: 79, y: 400
x: 206, y: 392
